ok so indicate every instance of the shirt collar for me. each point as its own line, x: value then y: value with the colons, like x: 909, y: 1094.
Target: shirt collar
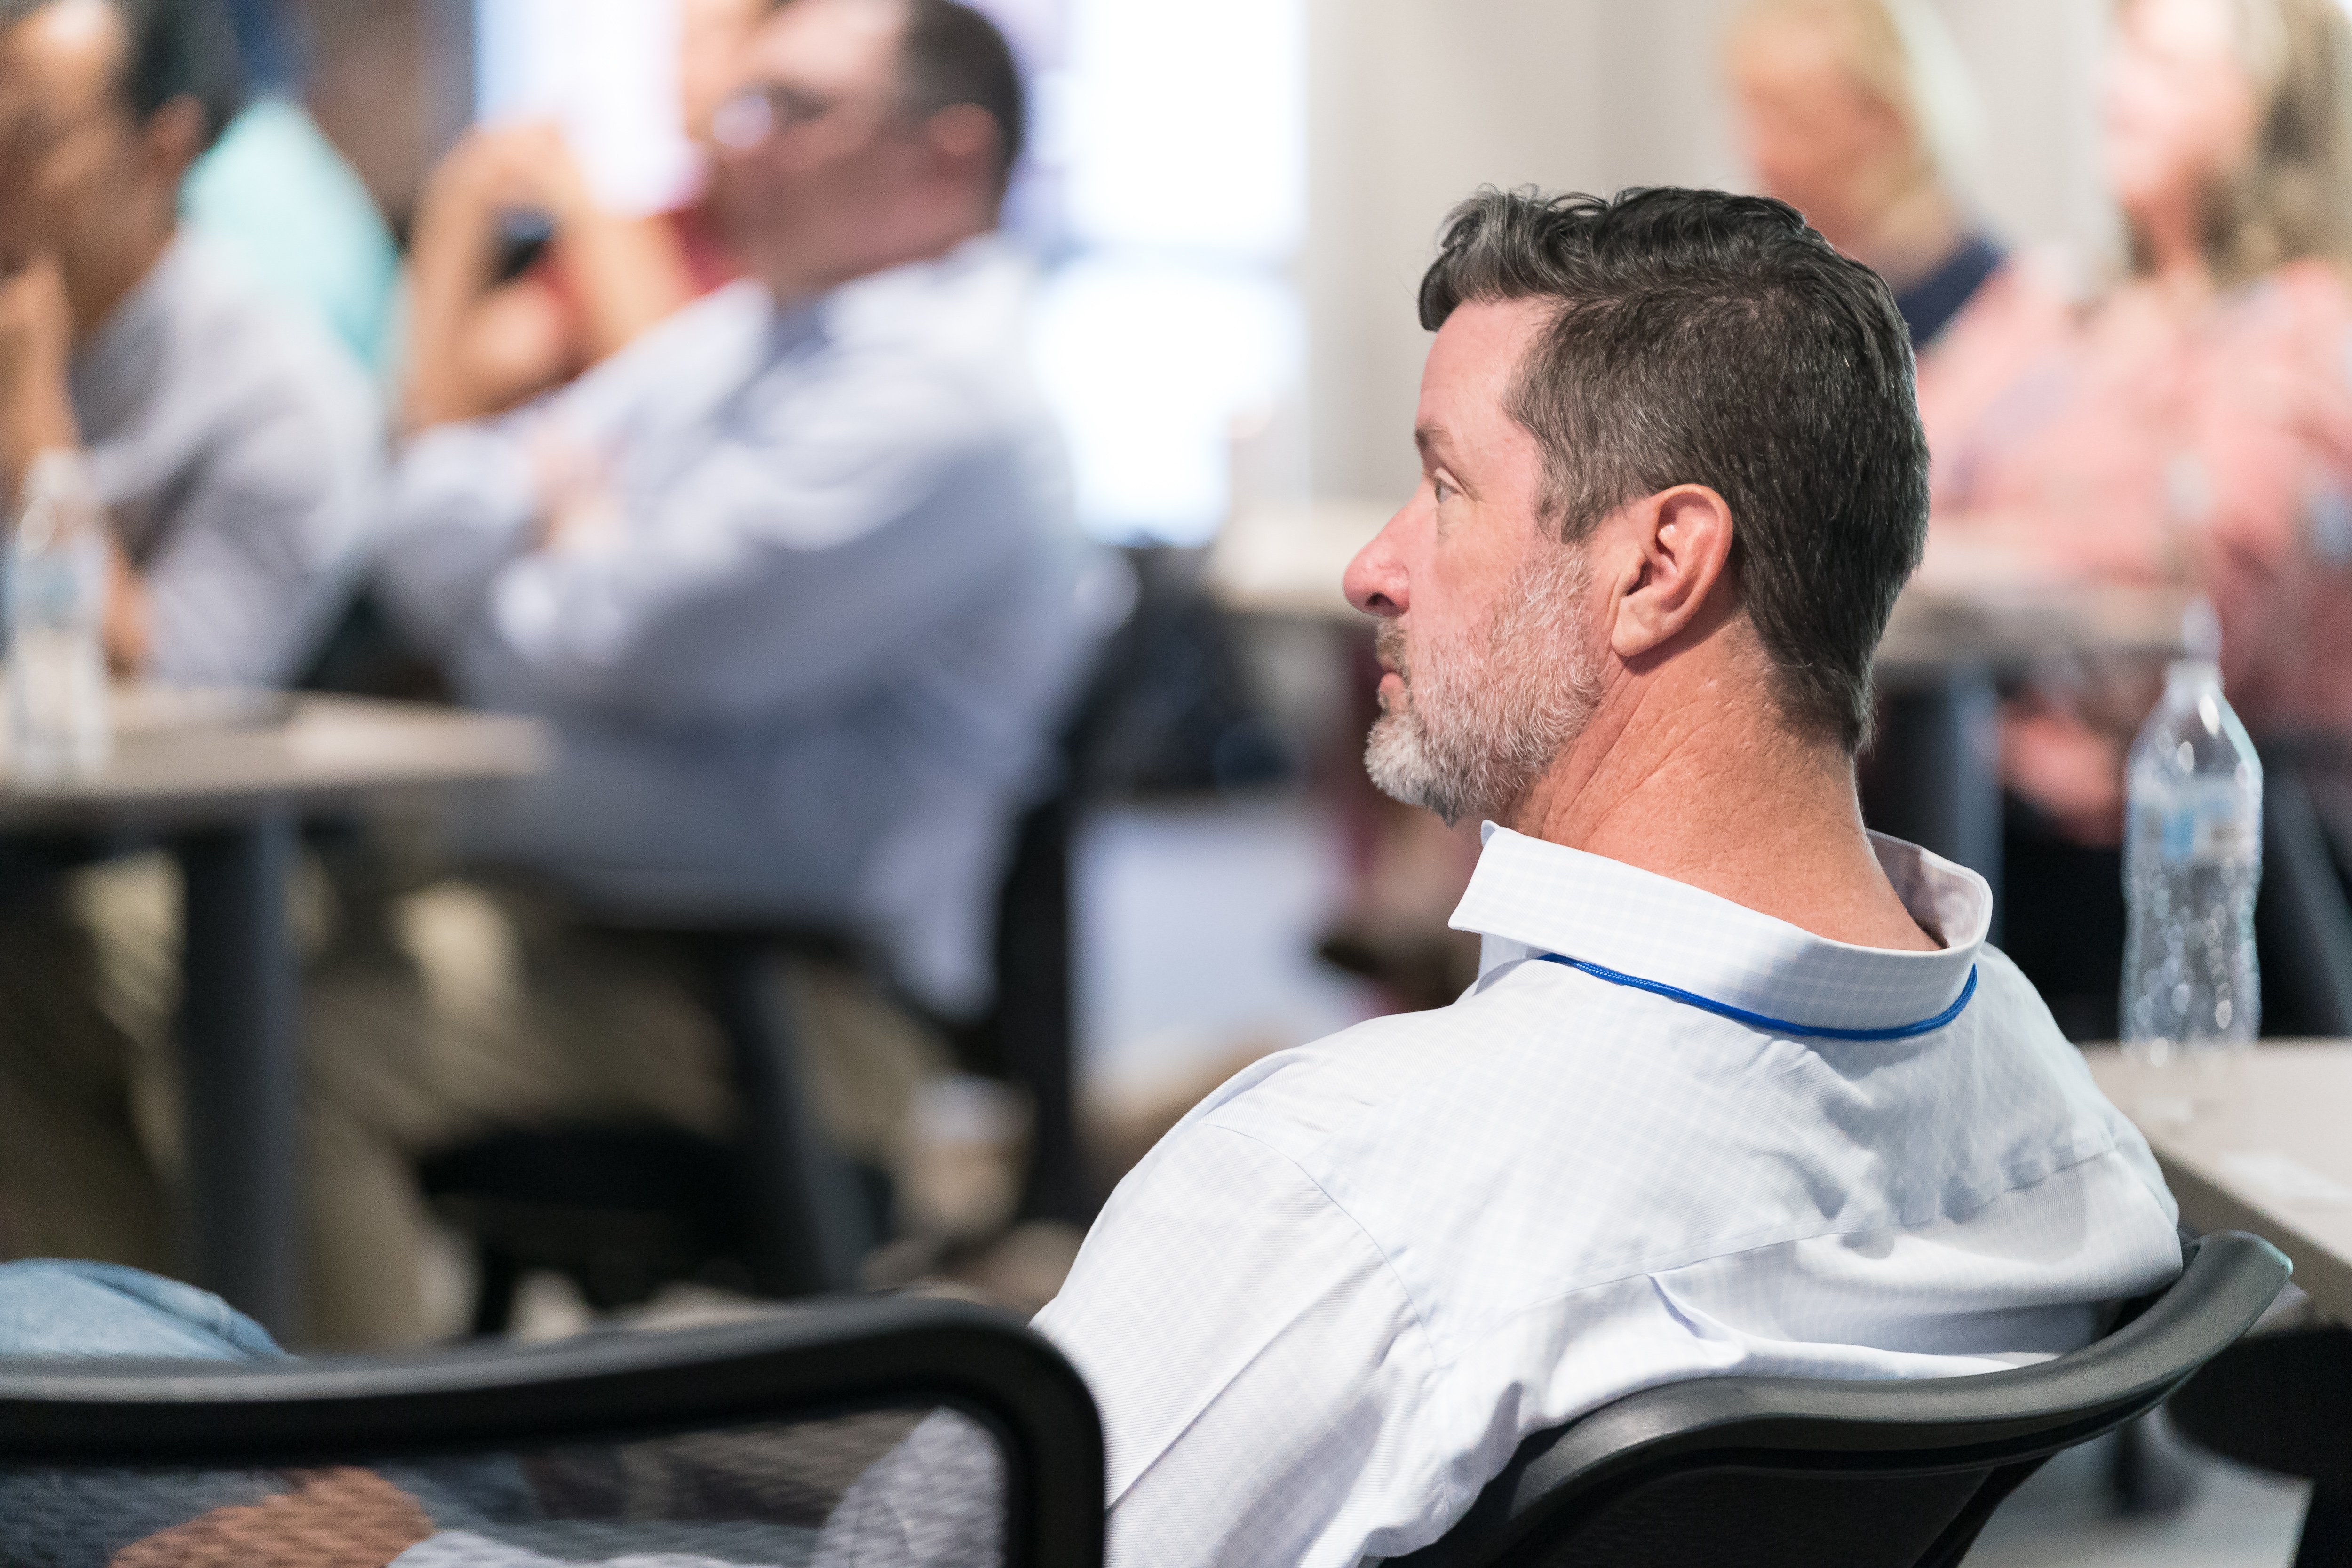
x: 1530, y: 897
x: 916, y: 299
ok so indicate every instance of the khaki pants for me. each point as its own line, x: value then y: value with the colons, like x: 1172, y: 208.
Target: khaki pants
x: 429, y: 1016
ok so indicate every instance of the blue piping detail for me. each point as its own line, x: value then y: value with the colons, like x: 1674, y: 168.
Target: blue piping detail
x: 1757, y: 1020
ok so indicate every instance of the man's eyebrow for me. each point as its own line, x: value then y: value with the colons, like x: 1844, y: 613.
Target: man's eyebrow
x: 1431, y: 440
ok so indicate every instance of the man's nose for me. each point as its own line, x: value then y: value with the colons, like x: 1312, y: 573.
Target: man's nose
x: 1375, y: 579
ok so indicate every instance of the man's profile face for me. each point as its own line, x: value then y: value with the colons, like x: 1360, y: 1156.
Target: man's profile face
x: 68, y: 147
x: 836, y: 147
x: 1489, y: 671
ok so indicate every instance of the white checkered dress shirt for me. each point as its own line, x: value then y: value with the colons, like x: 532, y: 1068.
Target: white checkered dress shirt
x: 1325, y: 1311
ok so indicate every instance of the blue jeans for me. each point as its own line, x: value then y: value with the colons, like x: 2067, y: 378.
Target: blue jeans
x: 49, y: 1309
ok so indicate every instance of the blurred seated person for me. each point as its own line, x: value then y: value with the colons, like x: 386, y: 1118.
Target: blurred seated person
x: 234, y: 450
x: 1854, y: 112
x: 237, y: 452
x: 2193, y: 426
x: 1741, y: 1089
x: 792, y: 578
x: 482, y: 342
x: 276, y: 200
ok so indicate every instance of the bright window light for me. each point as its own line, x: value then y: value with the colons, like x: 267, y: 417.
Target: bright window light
x: 1185, y: 126
x: 606, y: 70
x: 1176, y: 138
x: 1149, y: 361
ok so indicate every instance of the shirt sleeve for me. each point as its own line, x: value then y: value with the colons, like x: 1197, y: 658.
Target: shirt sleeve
x: 258, y: 549
x: 1258, y: 1366
x: 460, y: 504
x: 768, y: 560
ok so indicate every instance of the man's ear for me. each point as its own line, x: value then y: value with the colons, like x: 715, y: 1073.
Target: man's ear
x: 964, y: 135
x: 1679, y: 559
x: 174, y: 136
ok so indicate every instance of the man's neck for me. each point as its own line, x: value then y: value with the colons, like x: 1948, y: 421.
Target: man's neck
x: 1674, y: 780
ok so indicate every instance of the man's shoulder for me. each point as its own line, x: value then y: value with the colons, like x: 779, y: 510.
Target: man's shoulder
x: 1633, y: 1134
x: 1393, y: 1071
x: 226, y: 336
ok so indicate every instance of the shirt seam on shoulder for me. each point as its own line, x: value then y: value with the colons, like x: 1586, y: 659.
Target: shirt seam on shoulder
x: 1441, y: 1365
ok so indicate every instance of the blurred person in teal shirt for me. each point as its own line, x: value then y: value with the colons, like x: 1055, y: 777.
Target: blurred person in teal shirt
x: 278, y: 204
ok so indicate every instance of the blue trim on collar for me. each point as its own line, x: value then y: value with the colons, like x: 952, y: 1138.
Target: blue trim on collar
x: 1757, y: 1020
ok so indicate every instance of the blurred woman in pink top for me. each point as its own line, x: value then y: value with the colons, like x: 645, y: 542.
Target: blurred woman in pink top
x: 2195, y: 425
x: 2192, y: 428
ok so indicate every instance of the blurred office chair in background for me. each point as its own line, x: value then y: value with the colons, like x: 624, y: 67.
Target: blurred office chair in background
x: 1792, y: 1473
x: 2283, y: 1402
x: 2304, y: 919
x: 732, y: 1444
x: 624, y: 1211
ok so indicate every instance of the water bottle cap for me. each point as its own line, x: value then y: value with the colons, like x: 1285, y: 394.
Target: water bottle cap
x: 59, y: 474
x: 2192, y: 672
x: 2201, y: 630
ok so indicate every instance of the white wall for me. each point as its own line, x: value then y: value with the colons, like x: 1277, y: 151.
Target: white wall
x: 1416, y: 102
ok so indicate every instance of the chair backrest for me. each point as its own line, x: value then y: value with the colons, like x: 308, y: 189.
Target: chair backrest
x: 711, y: 1417
x: 1783, y: 1472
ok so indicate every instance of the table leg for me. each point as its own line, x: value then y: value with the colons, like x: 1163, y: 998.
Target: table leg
x: 238, y: 1045
x: 1936, y: 770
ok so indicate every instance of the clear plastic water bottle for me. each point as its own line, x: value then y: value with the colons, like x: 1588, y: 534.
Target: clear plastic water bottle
x: 2192, y: 862
x: 58, y: 721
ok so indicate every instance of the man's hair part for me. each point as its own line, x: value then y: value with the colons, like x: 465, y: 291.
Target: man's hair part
x: 1708, y: 339
x: 171, y: 49
x: 952, y: 54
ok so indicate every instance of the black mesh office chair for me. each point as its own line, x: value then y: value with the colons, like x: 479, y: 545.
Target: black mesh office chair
x: 731, y: 1443
x: 1796, y: 1473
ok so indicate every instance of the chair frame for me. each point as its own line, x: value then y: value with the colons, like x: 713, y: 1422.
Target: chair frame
x: 808, y: 1361
x: 2004, y: 1423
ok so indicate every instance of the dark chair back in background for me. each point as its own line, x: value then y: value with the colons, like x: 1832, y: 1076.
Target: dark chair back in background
x: 2283, y: 1402
x: 1794, y: 1473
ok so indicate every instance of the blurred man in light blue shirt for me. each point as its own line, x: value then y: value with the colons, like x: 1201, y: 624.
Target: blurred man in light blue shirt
x: 793, y: 574
x: 793, y: 579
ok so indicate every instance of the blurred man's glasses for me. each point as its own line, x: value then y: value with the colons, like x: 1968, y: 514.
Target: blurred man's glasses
x: 770, y: 109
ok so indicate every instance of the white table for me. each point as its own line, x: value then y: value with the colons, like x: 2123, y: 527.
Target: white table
x: 2266, y: 1147
x: 224, y: 779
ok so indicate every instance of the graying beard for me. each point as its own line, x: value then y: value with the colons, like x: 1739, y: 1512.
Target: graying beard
x: 1477, y: 750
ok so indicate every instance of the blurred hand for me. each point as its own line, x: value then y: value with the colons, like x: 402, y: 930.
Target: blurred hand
x: 479, y: 346
x: 35, y: 343
x: 534, y: 162
x: 128, y: 625
x: 333, y: 1518
x: 2072, y: 771
x: 492, y: 170
x: 518, y: 342
x: 578, y: 506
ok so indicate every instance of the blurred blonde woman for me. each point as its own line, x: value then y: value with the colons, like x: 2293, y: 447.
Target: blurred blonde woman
x: 1860, y: 114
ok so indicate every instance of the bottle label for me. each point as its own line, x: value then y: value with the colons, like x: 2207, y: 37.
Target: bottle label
x: 2209, y: 822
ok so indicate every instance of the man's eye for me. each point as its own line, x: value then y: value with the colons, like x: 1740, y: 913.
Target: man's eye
x: 1441, y: 487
